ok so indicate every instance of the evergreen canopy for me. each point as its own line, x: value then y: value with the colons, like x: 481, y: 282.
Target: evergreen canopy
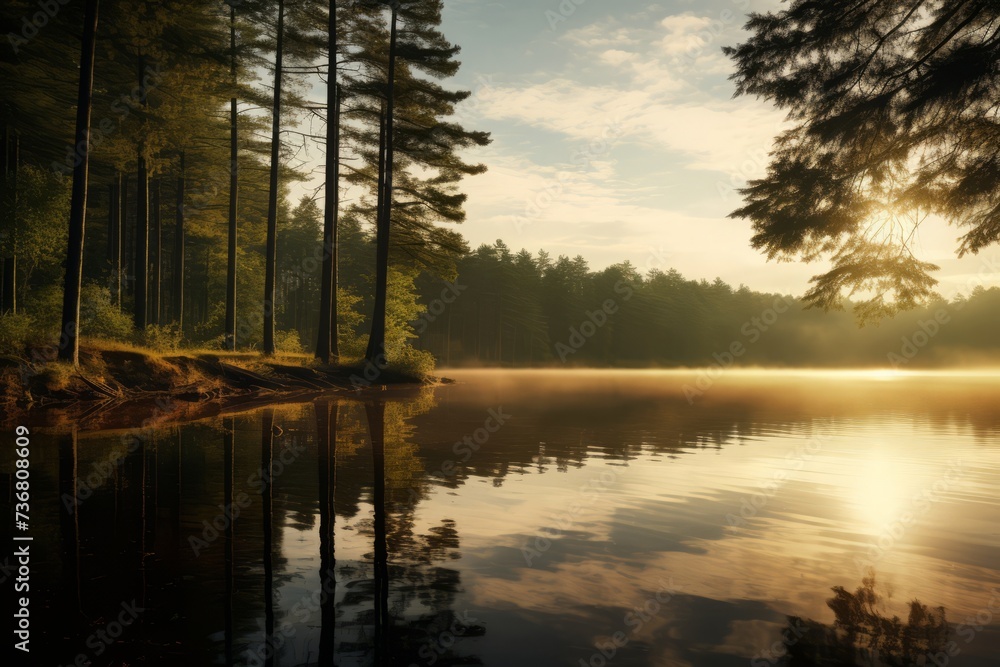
x: 894, y: 105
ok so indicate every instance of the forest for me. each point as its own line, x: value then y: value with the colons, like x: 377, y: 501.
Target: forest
x: 164, y: 218
x: 518, y: 309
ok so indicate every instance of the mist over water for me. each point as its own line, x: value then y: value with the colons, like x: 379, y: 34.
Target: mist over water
x: 536, y: 518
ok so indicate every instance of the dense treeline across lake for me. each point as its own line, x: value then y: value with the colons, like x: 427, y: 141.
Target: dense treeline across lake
x: 519, y: 309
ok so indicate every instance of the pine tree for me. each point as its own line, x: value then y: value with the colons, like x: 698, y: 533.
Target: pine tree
x: 69, y: 346
x: 404, y: 118
x: 893, y: 105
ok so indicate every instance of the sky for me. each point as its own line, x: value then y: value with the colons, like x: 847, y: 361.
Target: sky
x: 616, y: 136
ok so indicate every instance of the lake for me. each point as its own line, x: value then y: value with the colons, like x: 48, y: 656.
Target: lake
x: 529, y: 518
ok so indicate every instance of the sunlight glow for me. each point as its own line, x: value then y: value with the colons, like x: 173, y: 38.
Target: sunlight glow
x: 878, y: 491
x: 884, y: 374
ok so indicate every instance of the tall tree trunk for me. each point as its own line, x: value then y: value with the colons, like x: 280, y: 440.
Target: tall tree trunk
x: 10, y: 261
x: 114, y: 237
x: 141, y: 219
x: 156, y: 255
x: 376, y: 341
x: 141, y: 255
x: 272, y: 199
x: 110, y: 232
x: 178, y: 287
x: 7, y: 224
x: 230, y: 333
x: 69, y: 342
x: 128, y: 232
x: 328, y: 345
x: 206, y: 283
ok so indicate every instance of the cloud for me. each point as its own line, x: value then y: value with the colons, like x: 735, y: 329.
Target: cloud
x: 595, y: 211
x: 703, y: 133
x: 618, y: 57
x: 656, y: 79
x: 642, y: 88
x: 603, y: 34
x: 682, y: 34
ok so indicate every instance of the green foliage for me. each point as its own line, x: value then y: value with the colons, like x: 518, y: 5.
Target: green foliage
x: 37, y: 232
x: 352, y: 344
x: 894, y: 112
x: 413, y: 362
x: 99, y: 317
x: 15, y: 332
x: 167, y: 337
x: 288, y: 341
x: 161, y: 79
x: 401, y: 309
x: 429, y: 148
x: 862, y: 266
x: 45, y: 306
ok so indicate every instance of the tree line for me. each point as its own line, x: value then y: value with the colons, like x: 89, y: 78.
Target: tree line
x: 518, y: 309
x: 149, y: 150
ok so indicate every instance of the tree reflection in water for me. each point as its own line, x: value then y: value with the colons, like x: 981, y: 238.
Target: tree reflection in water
x: 415, y: 621
x: 863, y: 634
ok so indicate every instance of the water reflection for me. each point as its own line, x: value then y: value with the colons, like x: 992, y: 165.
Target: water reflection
x: 375, y: 412
x: 327, y: 413
x: 267, y: 474
x: 228, y: 471
x: 524, y: 522
x: 864, y: 634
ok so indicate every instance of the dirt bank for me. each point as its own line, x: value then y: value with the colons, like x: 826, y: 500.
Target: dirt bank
x: 116, y: 384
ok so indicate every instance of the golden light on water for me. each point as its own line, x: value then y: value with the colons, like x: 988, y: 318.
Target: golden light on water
x: 884, y: 374
x: 878, y: 491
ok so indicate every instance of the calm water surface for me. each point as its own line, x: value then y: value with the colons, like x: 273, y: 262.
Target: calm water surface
x: 535, y: 518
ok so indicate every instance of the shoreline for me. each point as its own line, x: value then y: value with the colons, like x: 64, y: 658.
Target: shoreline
x: 117, y: 385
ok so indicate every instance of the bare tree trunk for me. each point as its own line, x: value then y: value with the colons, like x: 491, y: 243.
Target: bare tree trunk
x: 128, y: 232
x: 272, y: 199
x: 115, y: 238
x: 230, y: 333
x: 157, y: 254
x: 69, y: 342
x: 6, y: 217
x: 178, y: 287
x: 328, y: 345
x: 376, y: 341
x: 141, y: 255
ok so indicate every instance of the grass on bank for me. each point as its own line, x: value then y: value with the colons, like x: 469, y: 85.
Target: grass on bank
x: 157, y: 360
